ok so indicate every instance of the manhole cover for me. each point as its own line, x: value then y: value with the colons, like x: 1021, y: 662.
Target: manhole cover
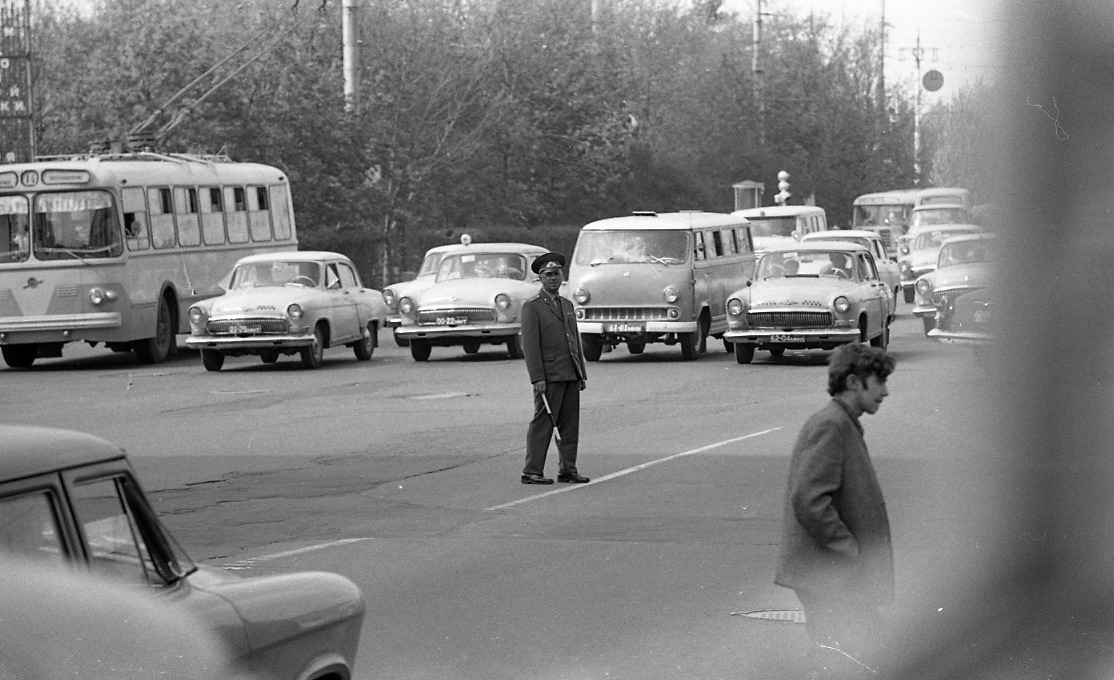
x: 788, y: 615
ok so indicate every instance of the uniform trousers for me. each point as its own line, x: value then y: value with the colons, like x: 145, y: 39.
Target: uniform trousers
x: 564, y: 400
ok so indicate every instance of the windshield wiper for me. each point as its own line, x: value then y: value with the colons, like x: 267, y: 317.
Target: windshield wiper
x: 67, y: 251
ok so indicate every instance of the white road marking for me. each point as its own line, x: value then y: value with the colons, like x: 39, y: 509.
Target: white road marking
x: 636, y: 468
x: 250, y: 562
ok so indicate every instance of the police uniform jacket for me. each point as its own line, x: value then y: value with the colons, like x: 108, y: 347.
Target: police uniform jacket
x: 835, y: 532
x: 550, y: 340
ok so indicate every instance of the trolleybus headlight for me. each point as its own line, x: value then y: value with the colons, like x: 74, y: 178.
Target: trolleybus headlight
x: 924, y: 287
x: 197, y: 314
x: 581, y: 296
x: 734, y: 306
x: 294, y: 311
x: 98, y: 296
x: 842, y: 304
x: 502, y: 301
x: 405, y: 305
x: 671, y: 294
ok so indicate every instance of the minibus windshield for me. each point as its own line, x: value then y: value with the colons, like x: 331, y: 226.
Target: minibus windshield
x: 631, y: 246
x: 773, y: 226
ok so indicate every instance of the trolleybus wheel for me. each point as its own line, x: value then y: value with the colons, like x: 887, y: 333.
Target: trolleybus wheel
x: 20, y: 356
x: 156, y: 350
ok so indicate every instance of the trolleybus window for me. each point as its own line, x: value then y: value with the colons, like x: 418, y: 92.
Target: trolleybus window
x: 212, y: 216
x: 258, y: 216
x: 76, y: 224
x: 280, y: 212
x: 162, y: 218
x: 14, y: 229
x: 237, y: 219
x: 189, y: 229
x: 135, y: 219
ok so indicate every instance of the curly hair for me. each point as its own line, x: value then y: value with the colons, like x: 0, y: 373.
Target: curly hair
x: 860, y: 360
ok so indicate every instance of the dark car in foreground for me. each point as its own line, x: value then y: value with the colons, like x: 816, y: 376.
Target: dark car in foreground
x: 72, y: 500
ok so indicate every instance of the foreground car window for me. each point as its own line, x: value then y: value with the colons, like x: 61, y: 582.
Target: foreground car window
x: 29, y: 528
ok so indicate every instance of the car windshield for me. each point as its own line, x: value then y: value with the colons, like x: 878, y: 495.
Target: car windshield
x: 965, y: 252
x: 631, y: 246
x: 772, y: 226
x: 276, y: 273
x: 949, y: 215
x: 806, y: 263
x: 932, y: 239
x: 482, y: 266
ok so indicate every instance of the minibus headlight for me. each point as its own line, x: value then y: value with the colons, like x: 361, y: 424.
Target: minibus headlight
x: 842, y: 304
x: 197, y: 314
x: 671, y: 294
x: 581, y: 296
x: 735, y: 307
x: 405, y: 305
x: 924, y: 287
x: 674, y: 313
x: 294, y: 311
x: 502, y: 301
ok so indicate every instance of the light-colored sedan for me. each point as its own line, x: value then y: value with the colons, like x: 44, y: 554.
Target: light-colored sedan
x: 289, y: 303
x: 965, y: 265
x: 818, y: 295
x: 71, y: 500
x: 427, y: 276
x: 888, y: 270
x: 919, y: 248
x: 476, y: 299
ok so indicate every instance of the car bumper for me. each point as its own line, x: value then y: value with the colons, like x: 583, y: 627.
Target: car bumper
x: 921, y: 311
x: 476, y: 331
x: 636, y: 327
x: 810, y: 337
x: 960, y: 337
x: 393, y: 322
x: 260, y: 342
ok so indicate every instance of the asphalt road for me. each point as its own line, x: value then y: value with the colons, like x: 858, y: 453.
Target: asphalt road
x: 404, y: 477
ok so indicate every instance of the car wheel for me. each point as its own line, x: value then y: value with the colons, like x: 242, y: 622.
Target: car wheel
x: 401, y: 342
x: 691, y: 343
x: 156, y: 350
x: 593, y: 346
x: 514, y: 346
x: 777, y: 352
x: 897, y: 295
x: 20, y: 356
x: 882, y: 340
x: 269, y: 357
x: 314, y: 355
x: 471, y: 347
x: 420, y: 349
x: 212, y: 359
x: 929, y: 323
x: 636, y: 347
x: 744, y: 353
x: 366, y: 345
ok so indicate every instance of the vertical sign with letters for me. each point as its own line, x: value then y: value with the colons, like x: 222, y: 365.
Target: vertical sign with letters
x: 16, y: 131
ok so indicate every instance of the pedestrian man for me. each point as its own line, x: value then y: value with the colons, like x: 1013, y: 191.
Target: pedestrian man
x: 835, y: 541
x: 555, y: 362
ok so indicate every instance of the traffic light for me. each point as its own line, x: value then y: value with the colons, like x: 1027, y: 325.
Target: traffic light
x: 783, y: 194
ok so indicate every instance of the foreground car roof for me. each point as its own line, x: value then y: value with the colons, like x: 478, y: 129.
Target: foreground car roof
x: 27, y: 451
x: 835, y: 234
x: 294, y: 256
x: 818, y: 245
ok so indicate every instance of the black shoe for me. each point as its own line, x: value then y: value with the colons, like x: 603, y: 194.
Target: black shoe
x: 572, y: 478
x: 537, y: 479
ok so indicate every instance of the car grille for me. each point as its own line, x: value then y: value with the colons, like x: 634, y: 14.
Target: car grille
x: 626, y: 314
x: 789, y: 319
x: 943, y: 298
x: 459, y: 316
x: 266, y: 326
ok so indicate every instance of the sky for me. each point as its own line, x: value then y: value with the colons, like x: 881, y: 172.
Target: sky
x: 958, y: 38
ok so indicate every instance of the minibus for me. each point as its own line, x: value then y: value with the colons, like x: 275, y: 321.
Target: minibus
x: 779, y: 225
x: 658, y: 278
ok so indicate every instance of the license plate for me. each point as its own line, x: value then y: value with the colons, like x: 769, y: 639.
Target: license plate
x: 245, y: 330
x: 451, y: 320
x: 629, y: 328
x: 787, y: 338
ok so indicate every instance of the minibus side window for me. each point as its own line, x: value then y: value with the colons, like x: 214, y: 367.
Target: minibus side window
x: 729, y: 245
x: 717, y: 244
x: 698, y: 250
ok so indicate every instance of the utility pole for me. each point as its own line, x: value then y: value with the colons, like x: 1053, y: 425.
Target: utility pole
x: 882, y: 62
x: 756, y: 69
x: 351, y: 57
x: 918, y: 52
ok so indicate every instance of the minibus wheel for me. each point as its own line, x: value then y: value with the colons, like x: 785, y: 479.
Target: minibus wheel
x: 692, y: 344
x: 593, y: 346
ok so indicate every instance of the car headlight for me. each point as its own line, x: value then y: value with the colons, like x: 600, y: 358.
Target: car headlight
x: 581, y: 296
x: 904, y: 266
x: 405, y: 305
x: 735, y: 307
x: 197, y: 314
x: 389, y: 297
x: 294, y: 311
x: 924, y: 287
x: 502, y: 301
x: 671, y: 294
x: 841, y: 304
x: 904, y: 250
